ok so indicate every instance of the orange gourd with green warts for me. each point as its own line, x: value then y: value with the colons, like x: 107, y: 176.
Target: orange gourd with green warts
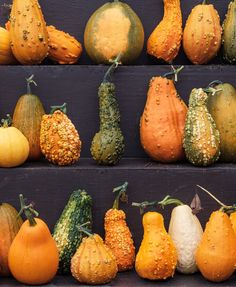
x: 202, y: 34
x: 163, y: 120
x: 165, y: 41
x: 33, y: 256
x: 117, y: 234
x: 28, y: 32
x: 216, y: 253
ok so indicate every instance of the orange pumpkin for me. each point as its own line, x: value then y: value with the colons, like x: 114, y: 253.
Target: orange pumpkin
x: 6, y: 56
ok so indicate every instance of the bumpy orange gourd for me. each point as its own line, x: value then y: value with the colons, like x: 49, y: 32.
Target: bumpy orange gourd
x: 165, y: 41
x: 163, y: 120
x: 63, y: 48
x: 117, y: 234
x: 157, y: 255
x: 10, y: 224
x: 216, y: 252
x: 6, y: 56
x: 202, y: 34
x: 28, y: 32
x: 59, y: 140
x: 93, y: 262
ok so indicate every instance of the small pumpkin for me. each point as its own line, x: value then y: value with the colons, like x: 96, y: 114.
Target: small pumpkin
x: 162, y: 122
x: 202, y: 34
x: 113, y: 29
x: 14, y: 146
x: 229, y: 34
x: 165, y: 41
x: 59, y: 140
x: 63, y: 48
x: 28, y: 32
x: 93, y: 262
x: 10, y: 224
x: 6, y: 56
x: 27, y: 118
x: 117, y: 234
x: 33, y: 256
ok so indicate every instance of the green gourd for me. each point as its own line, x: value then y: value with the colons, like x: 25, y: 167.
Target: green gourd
x: 78, y: 211
x: 108, y: 144
x: 222, y: 107
x: 229, y: 34
x: 201, y: 137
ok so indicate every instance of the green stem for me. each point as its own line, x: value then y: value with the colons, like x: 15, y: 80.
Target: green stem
x: 120, y: 192
x: 29, y: 82
x: 115, y: 64
x: 62, y: 108
x: 205, y: 2
x: 168, y: 200
x: 210, y: 90
x: 214, y: 83
x: 6, y: 122
x: 28, y: 210
x: 143, y: 205
x: 85, y: 230
x: 174, y: 73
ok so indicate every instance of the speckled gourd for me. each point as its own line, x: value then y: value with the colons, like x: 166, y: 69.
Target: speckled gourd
x: 6, y: 55
x: 201, y: 137
x: 28, y: 32
x: 202, y: 34
x: 222, y: 107
x: 229, y: 34
x: 165, y: 41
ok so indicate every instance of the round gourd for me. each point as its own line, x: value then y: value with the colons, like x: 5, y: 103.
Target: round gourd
x: 113, y: 29
x: 6, y: 56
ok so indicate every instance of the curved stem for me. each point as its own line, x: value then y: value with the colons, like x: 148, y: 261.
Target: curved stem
x: 210, y: 90
x: 174, y: 73
x: 214, y: 83
x: 62, y: 108
x: 85, y: 230
x: 28, y: 210
x: 115, y: 64
x: 6, y: 122
x: 205, y: 2
x: 120, y: 194
x: 29, y: 82
x: 168, y: 200
x: 143, y: 205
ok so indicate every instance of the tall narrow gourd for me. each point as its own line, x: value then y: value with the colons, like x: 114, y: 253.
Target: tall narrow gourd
x: 6, y: 55
x: 114, y: 29
x: 229, y: 34
x: 202, y: 34
x: 28, y: 32
x: 163, y: 120
x: 108, y: 144
x: 201, y: 137
x: 165, y: 41
x: 117, y: 234
x: 27, y: 118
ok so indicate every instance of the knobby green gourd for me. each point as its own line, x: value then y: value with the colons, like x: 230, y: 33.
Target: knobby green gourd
x: 201, y: 137
x: 222, y: 107
x: 68, y: 238
x: 108, y: 144
x: 229, y: 34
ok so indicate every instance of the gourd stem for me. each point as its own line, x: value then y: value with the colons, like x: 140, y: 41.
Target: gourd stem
x: 204, y: 2
x: 213, y: 83
x: 115, y: 64
x: 145, y: 204
x: 6, y: 122
x: 28, y: 210
x: 168, y: 201
x: 85, y: 230
x: 62, y: 108
x: 174, y: 73
x: 210, y: 90
x: 30, y: 81
x: 120, y: 194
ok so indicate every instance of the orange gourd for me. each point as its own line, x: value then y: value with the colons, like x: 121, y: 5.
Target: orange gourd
x: 157, y: 255
x: 117, y: 234
x: 28, y: 32
x: 233, y: 220
x: 202, y: 34
x: 33, y: 256
x: 163, y: 120
x: 6, y: 56
x: 165, y: 41
x: 63, y: 48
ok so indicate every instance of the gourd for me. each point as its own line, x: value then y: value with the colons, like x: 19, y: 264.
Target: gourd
x: 201, y: 137
x: 216, y: 253
x: 27, y: 118
x: 162, y: 122
x: 113, y: 29
x: 6, y: 56
x: 93, y: 262
x: 78, y: 210
x: 10, y: 224
x: 157, y: 256
x: 59, y: 140
x: 33, y: 256
x: 233, y: 221
x: 108, y: 145
x: 63, y: 48
x: 229, y: 34
x: 28, y: 32
x: 117, y: 234
x: 14, y: 146
x: 224, y: 99
x: 165, y: 41
x: 202, y: 34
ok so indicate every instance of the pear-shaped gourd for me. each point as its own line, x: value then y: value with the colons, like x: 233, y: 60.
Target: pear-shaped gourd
x: 201, y: 137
